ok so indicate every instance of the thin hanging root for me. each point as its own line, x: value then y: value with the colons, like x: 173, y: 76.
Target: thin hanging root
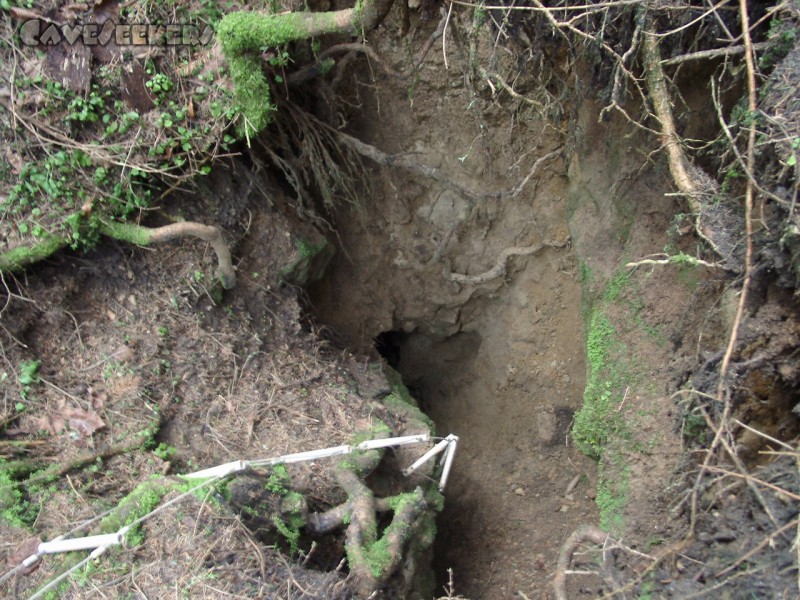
x: 145, y: 236
x: 499, y: 269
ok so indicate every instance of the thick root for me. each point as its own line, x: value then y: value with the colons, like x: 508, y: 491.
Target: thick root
x: 144, y: 236
x: 20, y: 257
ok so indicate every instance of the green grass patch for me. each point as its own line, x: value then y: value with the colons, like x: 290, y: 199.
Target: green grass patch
x: 600, y: 429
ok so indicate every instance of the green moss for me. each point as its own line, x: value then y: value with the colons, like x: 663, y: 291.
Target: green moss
x: 378, y: 430
x: 310, y: 263
x: 598, y: 420
x: 142, y: 500
x: 378, y: 557
x: 244, y: 31
x: 401, y: 400
x: 20, y: 257
x: 243, y: 37
x: 375, y: 551
x: 434, y: 498
x: 612, y: 494
x: 400, y: 501
x: 209, y: 494
x: 399, y: 404
x: 127, y: 232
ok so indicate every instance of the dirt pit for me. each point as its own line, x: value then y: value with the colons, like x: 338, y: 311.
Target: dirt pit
x: 497, y: 286
x: 496, y: 359
x: 507, y: 383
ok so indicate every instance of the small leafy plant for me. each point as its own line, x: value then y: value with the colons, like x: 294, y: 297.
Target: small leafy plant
x: 28, y: 376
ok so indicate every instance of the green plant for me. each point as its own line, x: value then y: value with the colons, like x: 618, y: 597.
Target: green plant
x: 28, y: 376
x: 15, y: 509
x: 278, y: 481
x: 792, y: 160
x: 164, y: 451
x: 85, y: 110
x: 160, y: 85
x: 612, y: 493
x: 289, y: 528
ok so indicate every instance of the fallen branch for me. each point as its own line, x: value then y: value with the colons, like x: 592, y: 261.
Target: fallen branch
x: 22, y: 467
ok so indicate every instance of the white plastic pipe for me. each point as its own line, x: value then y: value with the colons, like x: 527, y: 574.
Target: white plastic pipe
x: 82, y: 543
x: 395, y: 441
x: 438, y: 448
x: 310, y: 455
x: 449, y: 455
x: 230, y: 468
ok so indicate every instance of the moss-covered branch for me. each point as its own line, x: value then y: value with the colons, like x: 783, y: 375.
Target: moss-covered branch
x: 20, y: 257
x: 243, y: 37
x: 145, y: 236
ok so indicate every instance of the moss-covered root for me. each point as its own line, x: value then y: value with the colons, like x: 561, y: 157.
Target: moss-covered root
x: 244, y: 35
x: 142, y: 500
x: 144, y: 236
x: 23, y: 256
x: 372, y: 560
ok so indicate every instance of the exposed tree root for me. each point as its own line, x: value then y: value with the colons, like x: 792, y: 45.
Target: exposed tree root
x: 405, y: 162
x: 584, y: 533
x: 20, y: 257
x: 717, y: 225
x: 595, y: 535
x: 372, y: 559
x: 244, y: 35
x: 499, y: 269
x: 144, y: 236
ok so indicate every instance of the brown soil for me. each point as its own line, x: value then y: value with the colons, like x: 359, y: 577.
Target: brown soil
x: 216, y: 382
x: 500, y: 363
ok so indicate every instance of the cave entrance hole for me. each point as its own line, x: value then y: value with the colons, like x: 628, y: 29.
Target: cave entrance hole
x: 506, y: 375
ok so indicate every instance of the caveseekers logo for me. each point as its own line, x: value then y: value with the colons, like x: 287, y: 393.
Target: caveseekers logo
x: 39, y: 31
